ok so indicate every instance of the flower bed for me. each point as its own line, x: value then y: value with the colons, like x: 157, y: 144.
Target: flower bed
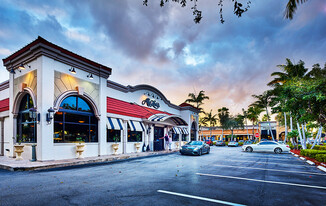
x: 296, y: 151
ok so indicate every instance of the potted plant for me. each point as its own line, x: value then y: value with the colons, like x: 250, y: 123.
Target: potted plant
x: 19, y: 148
x: 80, y: 147
x: 137, y: 144
x: 115, y: 145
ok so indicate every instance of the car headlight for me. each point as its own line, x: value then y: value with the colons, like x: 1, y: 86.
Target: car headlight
x: 196, y: 149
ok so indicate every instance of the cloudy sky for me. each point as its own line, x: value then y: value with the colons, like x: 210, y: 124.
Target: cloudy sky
x: 164, y: 48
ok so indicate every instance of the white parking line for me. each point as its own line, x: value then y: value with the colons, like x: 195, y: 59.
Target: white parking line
x: 268, y: 163
x: 266, y: 157
x: 256, y: 180
x: 200, y: 198
x: 256, y: 168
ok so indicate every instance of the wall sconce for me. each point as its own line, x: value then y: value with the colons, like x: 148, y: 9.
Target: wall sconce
x: 49, y: 115
x: 72, y: 70
x: 12, y: 71
x: 90, y: 76
x: 34, y: 115
x: 21, y: 66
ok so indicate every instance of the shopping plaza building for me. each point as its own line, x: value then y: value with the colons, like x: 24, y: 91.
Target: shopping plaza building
x: 55, y: 99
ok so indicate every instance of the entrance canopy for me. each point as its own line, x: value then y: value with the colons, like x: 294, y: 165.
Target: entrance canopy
x: 177, y: 120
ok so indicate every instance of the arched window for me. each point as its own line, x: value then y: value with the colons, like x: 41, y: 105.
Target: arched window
x: 26, y: 124
x: 75, y: 122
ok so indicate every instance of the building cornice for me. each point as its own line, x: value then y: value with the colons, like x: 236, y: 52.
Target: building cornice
x: 43, y: 47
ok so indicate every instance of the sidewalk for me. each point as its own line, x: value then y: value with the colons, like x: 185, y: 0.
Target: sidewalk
x: 26, y: 165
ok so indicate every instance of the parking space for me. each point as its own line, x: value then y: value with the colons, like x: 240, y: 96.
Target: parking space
x: 264, y: 178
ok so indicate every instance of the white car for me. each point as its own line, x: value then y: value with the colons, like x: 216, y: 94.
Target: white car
x: 266, y: 146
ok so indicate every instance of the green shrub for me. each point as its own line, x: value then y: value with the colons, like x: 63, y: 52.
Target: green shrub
x: 226, y: 143
x: 311, y: 152
x: 319, y: 147
x: 299, y: 147
x: 240, y: 143
x: 291, y: 145
x: 321, y: 157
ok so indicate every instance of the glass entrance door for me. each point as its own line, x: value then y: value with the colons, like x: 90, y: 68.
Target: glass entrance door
x: 158, y: 143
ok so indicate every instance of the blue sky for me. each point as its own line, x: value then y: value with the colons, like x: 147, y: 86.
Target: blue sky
x: 164, y: 48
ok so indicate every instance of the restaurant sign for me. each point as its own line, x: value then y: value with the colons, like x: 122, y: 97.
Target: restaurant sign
x: 151, y: 103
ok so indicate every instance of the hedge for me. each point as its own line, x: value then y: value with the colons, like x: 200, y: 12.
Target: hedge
x: 240, y: 143
x: 321, y: 157
x: 319, y: 147
x: 311, y: 152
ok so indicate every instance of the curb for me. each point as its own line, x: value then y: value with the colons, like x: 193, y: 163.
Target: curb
x: 311, y: 163
x: 322, y: 168
x: 74, y: 165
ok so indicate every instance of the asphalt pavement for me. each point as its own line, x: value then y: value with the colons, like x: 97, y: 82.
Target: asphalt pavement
x: 226, y: 176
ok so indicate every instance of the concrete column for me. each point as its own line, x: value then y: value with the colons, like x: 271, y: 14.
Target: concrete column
x: 45, y: 99
x: 12, y: 123
x: 125, y: 137
x: 102, y: 150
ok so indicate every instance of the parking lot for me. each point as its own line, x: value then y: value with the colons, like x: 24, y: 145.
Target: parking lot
x: 226, y: 176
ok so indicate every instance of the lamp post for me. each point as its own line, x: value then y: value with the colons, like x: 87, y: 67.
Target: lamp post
x: 245, y: 114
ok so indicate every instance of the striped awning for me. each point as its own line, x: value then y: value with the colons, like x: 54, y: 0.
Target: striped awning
x: 113, y: 123
x: 177, y: 130
x: 185, y: 131
x: 136, y: 126
x: 158, y: 117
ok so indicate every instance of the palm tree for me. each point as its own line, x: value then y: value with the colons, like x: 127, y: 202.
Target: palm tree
x: 288, y: 72
x: 202, y: 123
x: 198, y: 100
x: 235, y: 122
x: 211, y: 120
x: 291, y: 7
x: 223, y: 117
x: 253, y: 115
x: 263, y: 101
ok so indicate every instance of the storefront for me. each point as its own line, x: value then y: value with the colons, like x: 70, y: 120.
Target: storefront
x: 56, y: 99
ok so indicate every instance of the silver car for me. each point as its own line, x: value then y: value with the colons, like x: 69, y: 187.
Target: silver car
x: 266, y: 146
x: 195, y: 148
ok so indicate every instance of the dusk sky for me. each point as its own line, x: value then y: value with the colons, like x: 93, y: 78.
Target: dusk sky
x: 163, y: 47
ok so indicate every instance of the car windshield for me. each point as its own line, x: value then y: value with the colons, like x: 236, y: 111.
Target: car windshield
x: 195, y: 143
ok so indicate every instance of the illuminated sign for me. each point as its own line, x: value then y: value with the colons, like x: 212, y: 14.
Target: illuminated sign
x: 151, y: 103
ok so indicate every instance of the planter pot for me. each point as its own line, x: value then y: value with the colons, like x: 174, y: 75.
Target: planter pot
x: 137, y: 145
x: 115, y: 147
x: 80, y: 149
x: 19, y: 149
x: 177, y: 145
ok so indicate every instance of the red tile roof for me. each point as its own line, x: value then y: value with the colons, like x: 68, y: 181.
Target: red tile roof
x: 187, y: 105
x: 4, y: 105
x: 116, y: 106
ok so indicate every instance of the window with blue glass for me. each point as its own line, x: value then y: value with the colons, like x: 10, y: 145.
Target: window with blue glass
x: 75, y: 122
x: 26, y: 124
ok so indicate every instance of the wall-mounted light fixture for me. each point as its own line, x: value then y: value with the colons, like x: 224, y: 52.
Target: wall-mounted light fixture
x: 72, y: 70
x: 33, y: 114
x: 22, y: 67
x: 90, y: 76
x: 12, y: 71
x: 49, y: 115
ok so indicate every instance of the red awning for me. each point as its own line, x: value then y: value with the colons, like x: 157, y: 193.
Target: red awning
x: 4, y: 105
x: 116, y: 106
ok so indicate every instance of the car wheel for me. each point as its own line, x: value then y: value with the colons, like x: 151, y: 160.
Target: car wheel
x: 181, y: 153
x: 249, y: 149
x: 278, y: 150
x: 200, y: 152
x: 208, y: 150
